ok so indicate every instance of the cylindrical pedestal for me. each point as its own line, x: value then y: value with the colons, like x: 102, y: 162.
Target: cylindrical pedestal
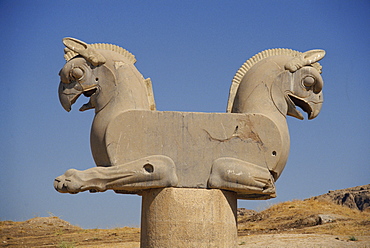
x: 186, y: 217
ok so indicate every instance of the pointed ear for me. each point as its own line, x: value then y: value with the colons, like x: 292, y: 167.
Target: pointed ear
x: 74, y: 44
x: 313, y: 56
x: 85, y: 50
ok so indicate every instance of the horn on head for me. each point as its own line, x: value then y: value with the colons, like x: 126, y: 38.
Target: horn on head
x: 85, y: 50
x: 306, y: 58
x: 313, y: 56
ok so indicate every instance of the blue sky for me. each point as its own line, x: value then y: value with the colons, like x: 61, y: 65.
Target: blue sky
x: 191, y: 51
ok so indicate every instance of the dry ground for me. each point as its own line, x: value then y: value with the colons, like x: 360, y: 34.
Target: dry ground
x: 308, y: 223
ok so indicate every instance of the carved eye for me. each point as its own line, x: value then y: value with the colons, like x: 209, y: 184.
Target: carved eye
x: 308, y: 81
x: 77, y: 73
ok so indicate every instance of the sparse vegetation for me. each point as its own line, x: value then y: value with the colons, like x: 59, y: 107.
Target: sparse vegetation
x: 65, y: 244
x: 51, y: 214
x: 59, y: 232
x: 304, y: 217
x: 352, y: 238
x: 288, y: 218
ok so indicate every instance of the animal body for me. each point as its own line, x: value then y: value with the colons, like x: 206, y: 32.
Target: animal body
x: 136, y: 147
x: 274, y: 83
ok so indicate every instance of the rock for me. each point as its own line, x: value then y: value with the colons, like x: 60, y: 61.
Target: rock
x: 355, y: 198
x: 311, y: 220
x: 245, y: 212
x: 324, y: 218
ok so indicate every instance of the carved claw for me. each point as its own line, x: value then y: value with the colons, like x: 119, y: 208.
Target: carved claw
x: 242, y: 177
x: 74, y: 181
x: 151, y: 172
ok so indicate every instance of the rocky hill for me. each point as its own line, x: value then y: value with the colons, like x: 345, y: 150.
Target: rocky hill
x: 355, y: 198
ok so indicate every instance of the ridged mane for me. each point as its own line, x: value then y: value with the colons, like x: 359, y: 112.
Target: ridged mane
x: 69, y: 54
x: 254, y: 60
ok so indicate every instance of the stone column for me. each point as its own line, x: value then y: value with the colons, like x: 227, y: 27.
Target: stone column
x: 188, y: 217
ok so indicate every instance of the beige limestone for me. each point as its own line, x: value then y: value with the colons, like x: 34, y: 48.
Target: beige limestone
x: 190, y: 168
x: 183, y: 140
x: 183, y: 217
x: 137, y: 148
x: 189, y: 139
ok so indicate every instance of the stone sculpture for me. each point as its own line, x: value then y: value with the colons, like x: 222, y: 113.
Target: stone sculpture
x: 137, y: 148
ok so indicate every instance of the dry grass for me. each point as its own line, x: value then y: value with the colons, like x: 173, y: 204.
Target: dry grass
x: 286, y: 222
x: 54, y: 232
x: 303, y: 217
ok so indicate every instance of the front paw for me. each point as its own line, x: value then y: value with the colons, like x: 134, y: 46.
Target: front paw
x: 241, y: 176
x: 68, y: 182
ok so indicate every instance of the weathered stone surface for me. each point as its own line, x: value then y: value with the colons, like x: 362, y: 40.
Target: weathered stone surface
x: 137, y: 148
x: 190, y: 168
x: 355, y: 197
x: 325, y: 218
x: 196, y: 141
x: 180, y: 217
x: 245, y: 212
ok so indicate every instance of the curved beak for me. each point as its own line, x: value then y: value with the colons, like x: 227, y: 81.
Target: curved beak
x: 312, y: 105
x: 315, y: 110
x: 68, y: 95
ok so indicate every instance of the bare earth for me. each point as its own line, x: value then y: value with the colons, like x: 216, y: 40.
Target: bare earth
x: 308, y: 223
